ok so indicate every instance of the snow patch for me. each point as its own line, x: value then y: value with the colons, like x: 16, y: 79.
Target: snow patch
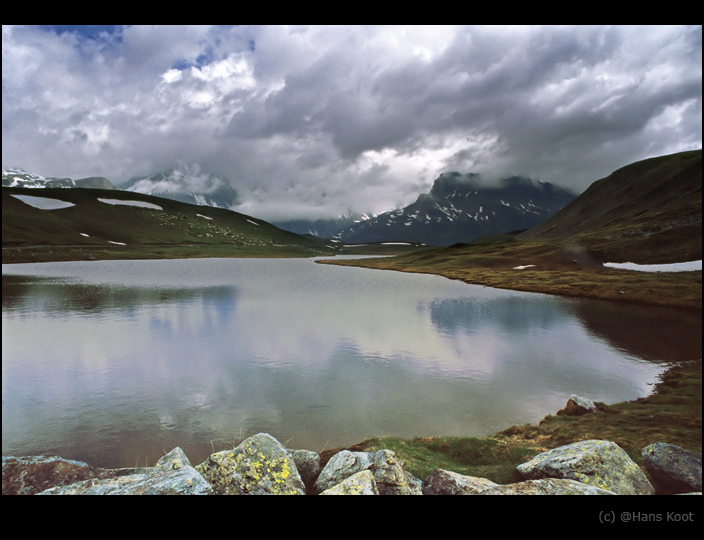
x: 118, y: 243
x: 43, y: 203
x: 522, y: 267
x: 674, y: 267
x: 206, y: 217
x: 253, y: 222
x: 141, y: 204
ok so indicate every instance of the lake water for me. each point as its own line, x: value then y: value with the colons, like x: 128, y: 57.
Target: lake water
x: 117, y: 362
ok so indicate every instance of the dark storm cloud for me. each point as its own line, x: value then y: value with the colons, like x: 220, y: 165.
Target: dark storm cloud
x: 320, y: 120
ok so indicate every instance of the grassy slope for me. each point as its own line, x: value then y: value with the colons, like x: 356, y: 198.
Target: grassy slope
x: 178, y: 230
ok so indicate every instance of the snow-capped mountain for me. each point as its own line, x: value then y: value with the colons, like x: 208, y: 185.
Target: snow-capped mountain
x: 16, y: 177
x: 460, y: 208
x: 186, y: 183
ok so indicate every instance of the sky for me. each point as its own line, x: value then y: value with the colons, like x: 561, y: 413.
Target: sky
x: 324, y: 120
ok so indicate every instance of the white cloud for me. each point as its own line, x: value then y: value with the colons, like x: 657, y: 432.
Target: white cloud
x: 333, y: 118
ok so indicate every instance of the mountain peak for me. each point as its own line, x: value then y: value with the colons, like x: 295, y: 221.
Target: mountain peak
x: 186, y: 183
x: 462, y: 207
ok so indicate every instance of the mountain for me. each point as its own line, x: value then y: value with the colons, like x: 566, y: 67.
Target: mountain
x: 460, y: 208
x: 322, y: 228
x: 647, y: 212
x: 66, y: 224
x: 15, y: 177
x: 186, y: 183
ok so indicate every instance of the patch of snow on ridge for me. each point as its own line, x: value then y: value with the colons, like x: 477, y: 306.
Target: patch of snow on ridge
x: 43, y: 203
x: 674, y: 267
x: 131, y: 203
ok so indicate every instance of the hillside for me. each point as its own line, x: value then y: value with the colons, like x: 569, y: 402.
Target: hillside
x: 648, y: 212
x: 95, y: 223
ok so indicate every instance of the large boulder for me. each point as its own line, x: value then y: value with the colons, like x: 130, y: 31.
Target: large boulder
x: 442, y: 482
x: 546, y: 486
x: 172, y: 475
x: 597, y: 463
x: 341, y: 466
x: 28, y: 475
x: 389, y: 472
x: 260, y: 465
x: 361, y: 483
x: 673, y: 469
x: 391, y: 476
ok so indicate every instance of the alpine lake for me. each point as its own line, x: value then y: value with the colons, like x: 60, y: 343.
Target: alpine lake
x: 117, y: 362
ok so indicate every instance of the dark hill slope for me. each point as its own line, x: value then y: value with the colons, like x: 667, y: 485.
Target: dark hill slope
x: 94, y: 223
x: 647, y: 212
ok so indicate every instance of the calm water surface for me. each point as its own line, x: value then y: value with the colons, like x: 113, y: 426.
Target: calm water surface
x: 117, y: 362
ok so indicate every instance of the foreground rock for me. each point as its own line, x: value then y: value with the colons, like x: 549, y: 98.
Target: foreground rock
x: 546, y: 486
x: 172, y: 475
x: 442, y: 482
x: 260, y: 465
x: 32, y: 474
x: 602, y: 464
x: 387, y: 470
x: 673, y: 469
x: 361, y: 483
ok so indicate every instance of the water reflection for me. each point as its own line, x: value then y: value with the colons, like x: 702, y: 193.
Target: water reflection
x: 115, y: 363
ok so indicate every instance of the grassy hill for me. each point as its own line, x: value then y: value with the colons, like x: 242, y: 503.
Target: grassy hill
x: 648, y: 212
x: 93, y: 228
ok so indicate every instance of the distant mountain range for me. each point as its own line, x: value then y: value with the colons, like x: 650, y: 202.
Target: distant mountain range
x: 460, y: 208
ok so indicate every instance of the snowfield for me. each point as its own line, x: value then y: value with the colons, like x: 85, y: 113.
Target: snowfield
x: 131, y: 203
x: 674, y: 267
x: 43, y: 203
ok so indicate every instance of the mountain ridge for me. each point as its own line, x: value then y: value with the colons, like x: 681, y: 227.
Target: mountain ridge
x: 462, y: 207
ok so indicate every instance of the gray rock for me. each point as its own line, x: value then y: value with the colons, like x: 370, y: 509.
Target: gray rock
x: 341, y: 466
x: 578, y: 405
x: 260, y: 465
x: 308, y: 465
x: 361, y: 483
x: 442, y: 482
x: 597, y: 463
x: 391, y: 477
x: 546, y: 486
x: 28, y: 475
x: 389, y: 473
x: 673, y: 469
x: 172, y: 475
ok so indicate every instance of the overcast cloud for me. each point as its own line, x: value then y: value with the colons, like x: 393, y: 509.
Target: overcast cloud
x: 321, y: 120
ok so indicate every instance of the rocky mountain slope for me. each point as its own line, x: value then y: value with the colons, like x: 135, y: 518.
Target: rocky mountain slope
x: 460, y: 208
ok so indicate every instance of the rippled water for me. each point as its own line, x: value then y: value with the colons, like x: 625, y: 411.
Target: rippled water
x: 117, y: 362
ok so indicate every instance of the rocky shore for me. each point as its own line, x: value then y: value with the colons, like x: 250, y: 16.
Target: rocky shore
x: 261, y: 465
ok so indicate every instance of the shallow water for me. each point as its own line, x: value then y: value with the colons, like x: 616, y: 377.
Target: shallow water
x: 117, y: 362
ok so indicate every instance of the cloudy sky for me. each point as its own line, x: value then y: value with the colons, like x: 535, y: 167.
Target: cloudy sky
x: 322, y: 120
